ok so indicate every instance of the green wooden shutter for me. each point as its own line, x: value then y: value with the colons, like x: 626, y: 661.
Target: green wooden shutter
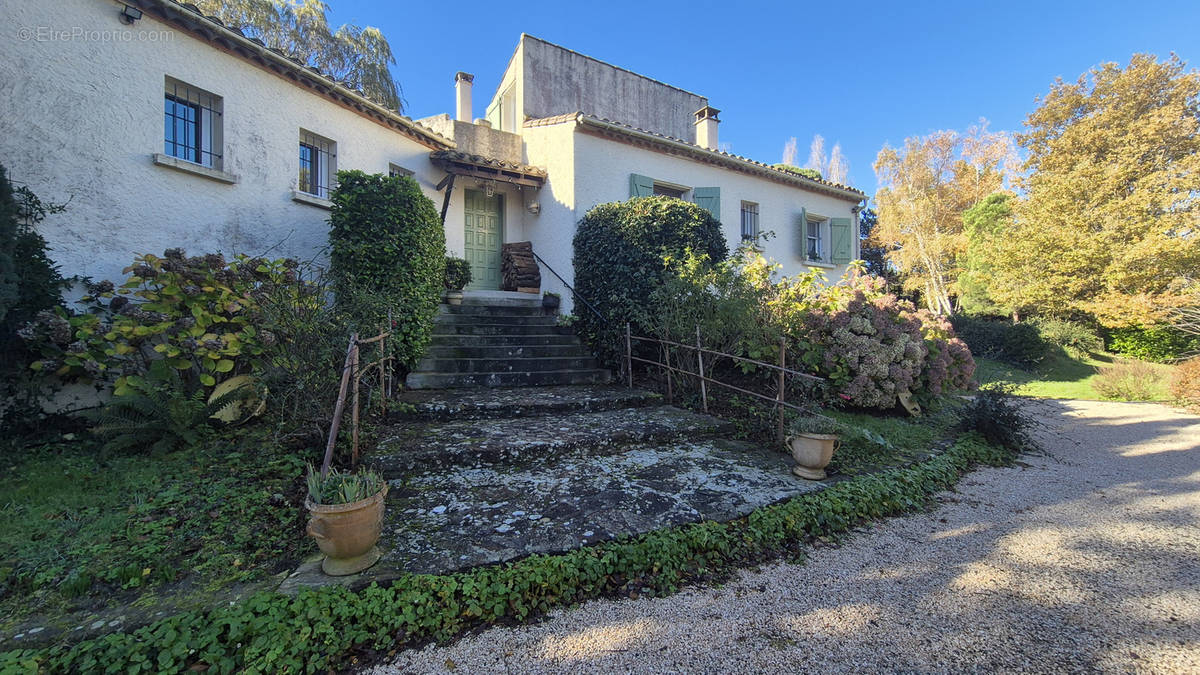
x: 802, y: 235
x: 709, y: 199
x: 843, y: 245
x: 640, y: 186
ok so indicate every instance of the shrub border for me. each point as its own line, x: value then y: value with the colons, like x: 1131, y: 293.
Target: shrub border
x: 333, y: 627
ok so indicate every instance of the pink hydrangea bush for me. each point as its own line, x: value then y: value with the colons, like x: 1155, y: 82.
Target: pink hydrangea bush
x: 866, y: 348
x: 948, y: 365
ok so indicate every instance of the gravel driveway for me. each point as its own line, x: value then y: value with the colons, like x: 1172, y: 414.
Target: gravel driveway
x: 1084, y: 558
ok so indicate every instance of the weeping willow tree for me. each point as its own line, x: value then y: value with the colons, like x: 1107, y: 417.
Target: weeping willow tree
x: 359, y: 57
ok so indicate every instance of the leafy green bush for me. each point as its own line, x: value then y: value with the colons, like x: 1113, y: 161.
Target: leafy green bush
x: 202, y: 315
x: 1157, y: 343
x: 30, y: 284
x: 807, y: 173
x: 1129, y: 381
x: 996, y: 414
x: 333, y: 624
x: 1185, y: 383
x: 1075, y: 336
x: 1017, y: 344
x: 154, y: 413
x: 458, y: 273
x: 622, y: 254
x: 388, y: 253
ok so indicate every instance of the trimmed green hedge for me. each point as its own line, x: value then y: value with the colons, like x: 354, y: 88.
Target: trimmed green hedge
x: 327, y: 628
x: 387, y: 252
x: 621, y: 253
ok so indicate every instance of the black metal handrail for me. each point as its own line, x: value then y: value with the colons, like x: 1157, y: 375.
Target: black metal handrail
x: 575, y: 294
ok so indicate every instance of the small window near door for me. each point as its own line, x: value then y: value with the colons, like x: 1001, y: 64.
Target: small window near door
x: 749, y: 221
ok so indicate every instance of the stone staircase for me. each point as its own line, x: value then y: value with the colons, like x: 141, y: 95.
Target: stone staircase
x: 491, y: 474
x: 500, y: 340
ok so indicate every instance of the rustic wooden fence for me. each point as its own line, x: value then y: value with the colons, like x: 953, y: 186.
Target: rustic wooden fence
x: 779, y: 401
x: 380, y: 379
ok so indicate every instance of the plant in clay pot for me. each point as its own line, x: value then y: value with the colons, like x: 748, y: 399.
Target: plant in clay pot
x: 551, y: 301
x: 458, y: 275
x: 812, y: 440
x: 346, y: 517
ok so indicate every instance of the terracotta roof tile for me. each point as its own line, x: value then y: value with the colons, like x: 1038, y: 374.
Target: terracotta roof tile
x: 480, y: 160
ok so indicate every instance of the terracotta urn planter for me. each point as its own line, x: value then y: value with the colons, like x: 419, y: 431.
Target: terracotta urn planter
x: 812, y: 453
x: 346, y: 533
x: 454, y: 297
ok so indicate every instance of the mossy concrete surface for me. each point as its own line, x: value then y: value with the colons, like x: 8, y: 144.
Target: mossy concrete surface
x: 487, y: 476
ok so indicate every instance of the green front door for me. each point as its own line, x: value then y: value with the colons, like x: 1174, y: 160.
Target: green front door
x: 484, y: 232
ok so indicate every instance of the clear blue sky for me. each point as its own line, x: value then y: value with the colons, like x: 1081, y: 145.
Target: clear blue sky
x: 862, y: 74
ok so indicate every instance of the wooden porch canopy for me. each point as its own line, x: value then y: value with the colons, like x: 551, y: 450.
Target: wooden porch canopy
x: 477, y: 166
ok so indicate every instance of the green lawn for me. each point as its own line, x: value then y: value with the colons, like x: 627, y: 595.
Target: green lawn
x: 82, y: 529
x: 1062, y: 376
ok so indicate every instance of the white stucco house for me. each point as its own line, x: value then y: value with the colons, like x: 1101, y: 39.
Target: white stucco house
x: 163, y: 128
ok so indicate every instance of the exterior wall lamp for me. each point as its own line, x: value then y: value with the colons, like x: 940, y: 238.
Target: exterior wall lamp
x: 130, y: 14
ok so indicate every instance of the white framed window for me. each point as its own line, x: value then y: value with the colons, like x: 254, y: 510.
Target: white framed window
x: 749, y: 221
x: 192, y: 124
x: 318, y: 164
x: 816, y: 240
x: 395, y: 170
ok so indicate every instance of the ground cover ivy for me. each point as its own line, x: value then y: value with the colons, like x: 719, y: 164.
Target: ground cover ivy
x: 333, y: 627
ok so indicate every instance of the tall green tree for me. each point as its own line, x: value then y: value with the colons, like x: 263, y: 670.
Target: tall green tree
x: 925, y: 187
x: 359, y: 57
x: 987, y: 225
x: 1111, y: 225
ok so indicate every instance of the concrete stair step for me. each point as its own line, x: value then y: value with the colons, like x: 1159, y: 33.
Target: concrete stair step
x: 505, y: 365
x: 526, y: 340
x: 505, y: 351
x: 484, y: 403
x: 485, y: 319
x: 539, y: 439
x: 432, y: 380
x: 492, y: 310
x: 501, y: 299
x: 500, y: 329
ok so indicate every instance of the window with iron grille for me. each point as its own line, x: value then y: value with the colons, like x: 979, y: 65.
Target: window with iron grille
x: 395, y: 170
x: 318, y: 164
x: 192, y: 124
x: 749, y: 221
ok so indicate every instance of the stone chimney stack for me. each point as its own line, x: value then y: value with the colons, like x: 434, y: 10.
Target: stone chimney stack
x: 462, y: 91
x: 706, y: 127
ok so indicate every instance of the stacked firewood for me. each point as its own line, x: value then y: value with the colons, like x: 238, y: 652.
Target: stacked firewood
x: 518, y: 269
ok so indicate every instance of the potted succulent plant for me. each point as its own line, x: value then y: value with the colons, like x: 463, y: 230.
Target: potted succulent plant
x: 551, y: 301
x: 346, y: 517
x: 812, y: 441
x: 458, y: 275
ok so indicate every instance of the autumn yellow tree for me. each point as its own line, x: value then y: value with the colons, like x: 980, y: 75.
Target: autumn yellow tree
x: 925, y: 188
x: 1110, y: 224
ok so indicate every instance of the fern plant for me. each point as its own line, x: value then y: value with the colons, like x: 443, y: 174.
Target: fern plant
x: 157, y: 414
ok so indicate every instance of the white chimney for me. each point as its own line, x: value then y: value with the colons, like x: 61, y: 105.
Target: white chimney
x: 462, y: 91
x: 706, y: 127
